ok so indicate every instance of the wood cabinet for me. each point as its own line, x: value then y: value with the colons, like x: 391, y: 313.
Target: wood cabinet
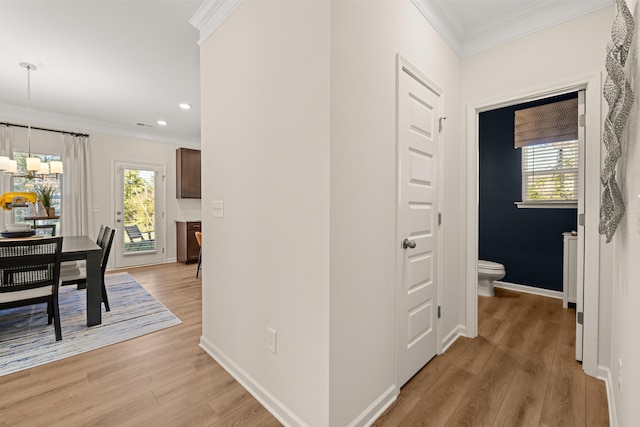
x: 187, y: 245
x: 188, y: 176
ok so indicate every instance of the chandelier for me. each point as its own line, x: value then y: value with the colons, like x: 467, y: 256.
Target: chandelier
x: 35, y: 168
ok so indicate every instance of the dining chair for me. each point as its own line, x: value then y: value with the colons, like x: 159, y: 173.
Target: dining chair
x: 30, y: 274
x: 199, y: 239
x: 78, y: 275
x: 67, y: 265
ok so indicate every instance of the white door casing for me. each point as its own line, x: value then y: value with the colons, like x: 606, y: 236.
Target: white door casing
x: 581, y: 229
x: 156, y: 255
x: 417, y: 220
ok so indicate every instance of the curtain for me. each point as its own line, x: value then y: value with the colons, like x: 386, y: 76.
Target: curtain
x: 76, y: 187
x: 6, y: 149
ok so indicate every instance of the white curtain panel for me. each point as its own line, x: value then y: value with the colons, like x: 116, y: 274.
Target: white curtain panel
x: 6, y: 149
x: 76, y: 187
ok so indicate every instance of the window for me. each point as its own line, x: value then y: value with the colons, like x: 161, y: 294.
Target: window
x: 20, y: 183
x: 548, y: 137
x: 550, y: 172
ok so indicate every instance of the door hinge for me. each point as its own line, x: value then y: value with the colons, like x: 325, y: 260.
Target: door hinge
x: 580, y: 318
x: 581, y: 219
x: 440, y: 120
x: 439, y: 312
x: 439, y: 218
x: 581, y: 120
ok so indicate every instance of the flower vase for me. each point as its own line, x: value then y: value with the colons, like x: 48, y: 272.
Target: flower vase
x: 51, y: 212
x: 40, y: 209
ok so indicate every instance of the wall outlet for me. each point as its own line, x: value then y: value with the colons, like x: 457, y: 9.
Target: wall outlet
x: 272, y: 340
x: 217, y: 207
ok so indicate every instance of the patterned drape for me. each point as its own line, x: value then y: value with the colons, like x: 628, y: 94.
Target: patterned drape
x: 618, y: 94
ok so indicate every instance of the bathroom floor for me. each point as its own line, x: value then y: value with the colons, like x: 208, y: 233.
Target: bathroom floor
x: 520, y: 370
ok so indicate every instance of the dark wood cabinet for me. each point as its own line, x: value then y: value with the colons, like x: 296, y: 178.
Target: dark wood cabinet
x: 187, y: 245
x: 188, y: 176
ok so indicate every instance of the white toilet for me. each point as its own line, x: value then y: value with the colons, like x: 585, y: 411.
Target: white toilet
x: 488, y: 271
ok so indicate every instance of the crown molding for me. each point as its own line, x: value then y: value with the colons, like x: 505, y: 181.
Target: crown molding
x: 211, y: 15
x: 532, y: 17
x: 441, y: 23
x: 11, y: 113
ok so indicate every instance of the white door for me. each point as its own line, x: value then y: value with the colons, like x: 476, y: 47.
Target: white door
x: 581, y: 229
x: 139, y: 213
x: 418, y: 122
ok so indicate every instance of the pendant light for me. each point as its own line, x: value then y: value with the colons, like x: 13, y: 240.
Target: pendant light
x: 35, y: 168
x: 33, y: 163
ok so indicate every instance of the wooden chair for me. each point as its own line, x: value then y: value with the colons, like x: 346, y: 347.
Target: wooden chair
x: 134, y: 233
x: 199, y: 239
x: 50, y: 227
x: 78, y: 275
x: 30, y: 274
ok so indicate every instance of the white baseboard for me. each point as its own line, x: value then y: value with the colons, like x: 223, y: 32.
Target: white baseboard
x: 377, y: 408
x: 528, y: 289
x: 459, y: 331
x: 277, y: 408
x: 605, y: 375
x: 269, y: 401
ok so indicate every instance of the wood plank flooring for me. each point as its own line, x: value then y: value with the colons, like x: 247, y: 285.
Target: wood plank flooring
x: 160, y: 379
x: 519, y: 372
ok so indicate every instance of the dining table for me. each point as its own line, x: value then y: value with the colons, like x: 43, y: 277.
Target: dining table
x: 84, y: 248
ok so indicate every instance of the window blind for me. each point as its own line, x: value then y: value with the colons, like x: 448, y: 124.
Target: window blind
x: 550, y: 172
x: 548, y: 136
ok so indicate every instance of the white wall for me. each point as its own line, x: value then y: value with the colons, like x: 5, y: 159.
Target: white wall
x: 105, y: 147
x: 299, y: 107
x: 366, y: 36
x: 626, y: 247
x: 265, y: 141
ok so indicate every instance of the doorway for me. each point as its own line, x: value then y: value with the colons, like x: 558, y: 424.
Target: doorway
x: 588, y: 227
x: 139, y: 195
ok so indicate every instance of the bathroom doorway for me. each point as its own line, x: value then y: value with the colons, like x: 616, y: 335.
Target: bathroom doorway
x: 588, y: 229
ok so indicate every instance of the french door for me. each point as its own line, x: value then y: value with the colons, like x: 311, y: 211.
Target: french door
x: 139, y: 213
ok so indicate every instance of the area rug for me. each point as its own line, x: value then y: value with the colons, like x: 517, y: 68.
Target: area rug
x: 26, y: 340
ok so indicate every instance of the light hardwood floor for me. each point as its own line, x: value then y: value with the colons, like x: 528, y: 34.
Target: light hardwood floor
x: 160, y: 379
x: 519, y: 372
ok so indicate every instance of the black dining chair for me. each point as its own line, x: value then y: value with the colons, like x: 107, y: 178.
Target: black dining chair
x: 199, y: 240
x: 78, y: 275
x: 30, y: 274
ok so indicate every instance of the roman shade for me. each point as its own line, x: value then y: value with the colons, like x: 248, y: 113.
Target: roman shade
x: 555, y: 122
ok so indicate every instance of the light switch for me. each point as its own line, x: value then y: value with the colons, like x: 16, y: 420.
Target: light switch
x: 218, y: 208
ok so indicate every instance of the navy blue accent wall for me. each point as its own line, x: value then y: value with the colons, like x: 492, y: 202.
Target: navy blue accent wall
x: 528, y: 242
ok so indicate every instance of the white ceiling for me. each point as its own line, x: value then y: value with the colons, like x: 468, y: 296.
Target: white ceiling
x: 102, y: 66
x: 107, y: 65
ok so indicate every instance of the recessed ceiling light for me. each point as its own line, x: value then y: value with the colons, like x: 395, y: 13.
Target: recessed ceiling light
x: 162, y: 122
x: 185, y: 106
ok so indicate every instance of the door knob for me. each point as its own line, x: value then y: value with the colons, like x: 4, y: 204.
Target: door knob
x: 406, y: 243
